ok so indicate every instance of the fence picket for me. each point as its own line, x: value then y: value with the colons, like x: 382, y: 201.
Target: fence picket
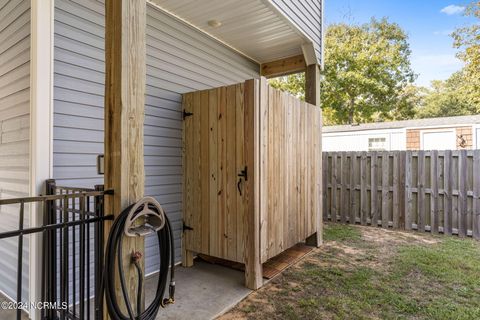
x: 395, y: 197
x: 334, y: 187
x: 385, y: 188
x: 447, y: 189
x: 462, y: 193
x: 363, y: 188
x: 434, y: 178
x: 353, y: 160
x: 476, y: 195
x: 343, y: 192
x: 421, y: 191
x: 373, y: 188
x: 408, y: 191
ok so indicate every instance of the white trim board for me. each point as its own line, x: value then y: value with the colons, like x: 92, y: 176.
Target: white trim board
x: 41, y: 127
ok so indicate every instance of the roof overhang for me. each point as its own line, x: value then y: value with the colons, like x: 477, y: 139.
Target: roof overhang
x: 255, y: 28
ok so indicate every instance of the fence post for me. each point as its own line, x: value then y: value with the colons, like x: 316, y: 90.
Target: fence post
x: 49, y: 274
x: 98, y: 252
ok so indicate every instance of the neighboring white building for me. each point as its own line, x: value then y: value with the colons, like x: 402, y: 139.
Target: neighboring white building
x: 449, y: 133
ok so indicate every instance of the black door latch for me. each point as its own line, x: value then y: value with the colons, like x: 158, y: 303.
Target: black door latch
x: 243, y: 173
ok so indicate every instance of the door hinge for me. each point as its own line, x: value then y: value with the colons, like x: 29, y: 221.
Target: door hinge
x: 186, y: 114
x: 185, y: 227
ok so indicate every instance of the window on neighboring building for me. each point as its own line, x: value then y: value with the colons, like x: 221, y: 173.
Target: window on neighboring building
x: 377, y: 144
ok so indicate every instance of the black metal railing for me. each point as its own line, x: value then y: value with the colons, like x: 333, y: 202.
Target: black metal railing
x: 71, y: 268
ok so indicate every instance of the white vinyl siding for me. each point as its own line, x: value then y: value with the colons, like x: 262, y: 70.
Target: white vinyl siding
x: 307, y: 15
x: 179, y: 59
x: 14, y: 134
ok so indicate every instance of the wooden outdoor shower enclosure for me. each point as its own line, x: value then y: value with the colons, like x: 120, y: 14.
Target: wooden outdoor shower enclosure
x: 252, y: 172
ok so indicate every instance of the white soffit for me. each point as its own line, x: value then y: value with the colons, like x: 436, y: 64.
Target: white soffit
x: 252, y: 27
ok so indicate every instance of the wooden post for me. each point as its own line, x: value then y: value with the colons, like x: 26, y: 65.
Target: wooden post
x: 125, y: 54
x: 253, y: 264
x: 312, y: 95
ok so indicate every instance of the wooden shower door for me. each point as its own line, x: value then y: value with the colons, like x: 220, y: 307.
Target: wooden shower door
x: 214, y: 173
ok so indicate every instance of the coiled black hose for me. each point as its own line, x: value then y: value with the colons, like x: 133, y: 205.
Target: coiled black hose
x: 113, y: 248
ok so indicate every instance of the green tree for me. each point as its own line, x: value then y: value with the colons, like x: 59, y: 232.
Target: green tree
x: 447, y: 98
x: 367, y: 74
x: 467, y: 39
x: 367, y: 71
x: 295, y: 84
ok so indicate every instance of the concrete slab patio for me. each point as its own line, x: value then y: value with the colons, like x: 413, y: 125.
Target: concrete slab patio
x: 204, y: 291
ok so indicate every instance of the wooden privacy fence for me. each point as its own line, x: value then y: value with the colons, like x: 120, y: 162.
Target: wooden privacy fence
x: 252, y: 158
x: 435, y: 191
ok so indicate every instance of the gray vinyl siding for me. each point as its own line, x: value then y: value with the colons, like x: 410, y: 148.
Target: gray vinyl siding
x: 179, y: 59
x: 307, y: 15
x: 14, y: 134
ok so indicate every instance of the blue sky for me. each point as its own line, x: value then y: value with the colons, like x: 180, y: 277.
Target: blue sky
x: 427, y: 23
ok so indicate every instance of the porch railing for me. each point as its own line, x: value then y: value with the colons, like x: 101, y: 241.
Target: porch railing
x: 70, y: 269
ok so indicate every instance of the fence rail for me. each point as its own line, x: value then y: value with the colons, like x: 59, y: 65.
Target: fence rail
x: 433, y: 191
x: 72, y: 250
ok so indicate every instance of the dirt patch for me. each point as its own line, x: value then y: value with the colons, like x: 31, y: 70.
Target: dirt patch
x: 366, y: 273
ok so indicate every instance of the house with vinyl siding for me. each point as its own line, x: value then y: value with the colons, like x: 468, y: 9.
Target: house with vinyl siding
x: 446, y: 133
x: 52, y: 79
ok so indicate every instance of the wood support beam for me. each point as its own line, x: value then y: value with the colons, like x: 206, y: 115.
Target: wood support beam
x: 283, y: 67
x: 253, y: 264
x: 125, y: 55
x: 312, y: 84
x: 312, y: 95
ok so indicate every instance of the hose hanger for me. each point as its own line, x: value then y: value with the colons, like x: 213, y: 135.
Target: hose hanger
x: 145, y: 217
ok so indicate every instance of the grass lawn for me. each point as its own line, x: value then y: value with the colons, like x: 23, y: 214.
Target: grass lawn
x: 369, y: 273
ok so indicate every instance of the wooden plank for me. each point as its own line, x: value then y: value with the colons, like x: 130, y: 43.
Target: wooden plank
x: 271, y: 173
x: 204, y: 182
x: 214, y: 245
x: 353, y: 166
x: 363, y: 188
x: 447, y: 187
x: 187, y: 255
x: 421, y: 191
x: 222, y: 170
x: 241, y: 165
x: 319, y: 172
x: 396, y: 190
x: 402, y: 189
x: 325, y: 185
x: 462, y: 194
x: 476, y: 195
x: 343, y: 185
x: 231, y: 176
x: 197, y: 212
x: 253, y: 155
x: 283, y: 66
x: 408, y: 191
x: 373, y: 188
x: 434, y: 178
x: 289, y: 171
x: 263, y: 154
x: 125, y: 24
x: 334, y: 189
x: 385, y: 188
